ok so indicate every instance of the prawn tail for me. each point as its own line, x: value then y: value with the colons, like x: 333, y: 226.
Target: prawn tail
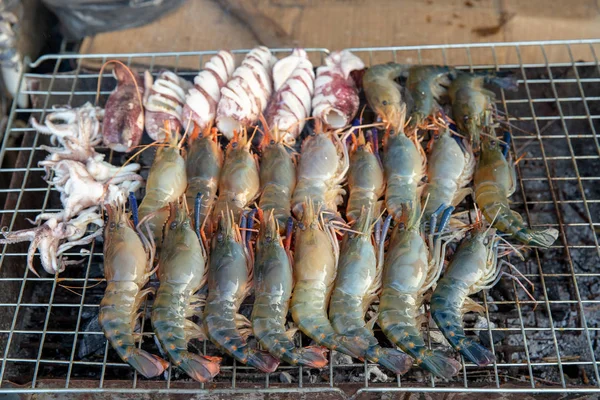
x: 312, y: 356
x: 505, y: 80
x: 475, y: 352
x: 146, y: 364
x: 392, y: 359
x: 541, y: 238
x: 262, y: 361
x: 200, y: 368
x: 438, y: 364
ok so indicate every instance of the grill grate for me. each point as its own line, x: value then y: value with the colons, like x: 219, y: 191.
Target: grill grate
x: 45, y: 324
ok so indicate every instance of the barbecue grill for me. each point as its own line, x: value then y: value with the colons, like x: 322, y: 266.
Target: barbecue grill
x: 49, y: 342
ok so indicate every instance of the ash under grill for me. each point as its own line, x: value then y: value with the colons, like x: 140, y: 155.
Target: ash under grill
x: 50, y: 339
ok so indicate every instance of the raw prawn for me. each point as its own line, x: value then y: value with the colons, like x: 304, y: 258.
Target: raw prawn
x: 127, y: 269
x: 167, y: 181
x: 203, y: 164
x: 246, y: 94
x: 322, y: 168
x: 273, y: 290
x: 229, y: 282
x: 335, y: 100
x: 357, y: 284
x: 315, y: 262
x: 366, y: 182
x: 384, y: 94
x: 181, y: 274
x: 473, y: 105
x: 277, y: 177
x: 163, y: 100
x: 450, y: 166
x: 404, y: 165
x: 426, y: 85
x: 202, y: 99
x: 410, y: 269
x: 239, y: 183
x: 495, y: 182
x: 471, y: 269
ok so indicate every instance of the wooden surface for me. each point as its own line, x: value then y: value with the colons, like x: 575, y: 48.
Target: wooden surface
x: 335, y: 24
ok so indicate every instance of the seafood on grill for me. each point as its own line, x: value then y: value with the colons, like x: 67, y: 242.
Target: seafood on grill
x: 163, y: 102
x: 404, y: 163
x: 335, y: 101
x: 426, y: 85
x: 239, y: 182
x: 384, y: 95
x: 74, y: 133
x: 471, y: 269
x: 410, y: 269
x: 182, y: 273
x: 495, y: 182
x: 247, y: 93
x: 53, y: 238
x: 273, y: 277
x: 316, y: 255
x: 450, y: 166
x: 127, y: 268
x: 167, y: 181
x: 203, y: 163
x: 123, y: 122
x: 366, y: 181
x: 202, y: 99
x: 324, y: 162
x: 277, y: 177
x: 229, y: 283
x: 473, y: 105
x: 293, y: 84
x: 357, y: 285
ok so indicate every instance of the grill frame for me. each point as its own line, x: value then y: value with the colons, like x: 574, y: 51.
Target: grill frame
x: 498, y: 382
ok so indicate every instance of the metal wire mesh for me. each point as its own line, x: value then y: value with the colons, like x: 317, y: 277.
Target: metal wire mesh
x: 548, y: 347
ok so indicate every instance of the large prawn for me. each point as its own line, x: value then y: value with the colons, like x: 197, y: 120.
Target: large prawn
x: 404, y: 165
x: 410, y: 269
x: 323, y: 165
x: 357, y: 284
x: 273, y: 290
x: 366, y: 181
x: 181, y: 274
x: 203, y: 164
x: 426, y: 85
x: 315, y: 261
x: 384, y: 94
x: 166, y: 182
x: 277, y: 177
x: 239, y: 183
x: 229, y: 282
x: 495, y: 182
x: 127, y: 269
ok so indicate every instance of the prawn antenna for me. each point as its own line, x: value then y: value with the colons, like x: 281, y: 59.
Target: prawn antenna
x: 197, y: 206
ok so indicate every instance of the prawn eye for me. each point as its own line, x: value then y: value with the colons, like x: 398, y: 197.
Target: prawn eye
x: 272, y: 141
x: 173, y: 225
x: 385, y: 102
x: 268, y: 239
x: 113, y: 225
x: 301, y: 225
x: 186, y: 224
x: 313, y: 133
x: 234, y: 145
x: 219, y: 237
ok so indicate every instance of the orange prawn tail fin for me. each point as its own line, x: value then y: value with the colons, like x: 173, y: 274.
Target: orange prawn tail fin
x: 313, y: 356
x: 201, y: 368
x: 262, y: 361
x: 147, y: 364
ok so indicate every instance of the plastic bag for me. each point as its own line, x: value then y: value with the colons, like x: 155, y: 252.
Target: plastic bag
x: 80, y: 18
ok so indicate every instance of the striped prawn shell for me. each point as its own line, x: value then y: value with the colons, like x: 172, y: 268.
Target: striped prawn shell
x: 293, y: 81
x: 336, y: 101
x: 201, y: 101
x: 163, y: 101
x: 247, y: 93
